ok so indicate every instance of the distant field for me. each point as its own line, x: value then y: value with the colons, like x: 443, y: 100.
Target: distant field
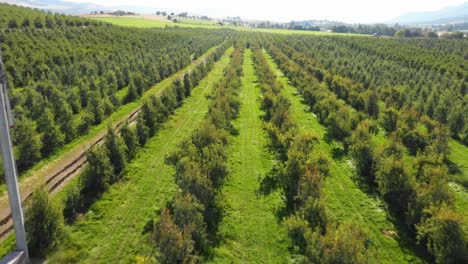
x: 199, y: 22
x: 150, y: 23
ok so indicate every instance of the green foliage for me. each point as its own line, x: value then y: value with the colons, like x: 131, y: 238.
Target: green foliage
x: 81, y: 69
x: 445, y: 235
x: 98, y: 174
x: 389, y: 119
x: 201, y: 168
x: 129, y: 137
x: 44, y: 223
x: 429, y: 74
x: 141, y: 130
x: 341, y: 123
x: 29, y: 144
x: 188, y: 216
x: 116, y: 149
x: 362, y: 150
x: 175, y: 244
x: 132, y: 93
x: 395, y: 184
x: 346, y: 243
x: 52, y: 137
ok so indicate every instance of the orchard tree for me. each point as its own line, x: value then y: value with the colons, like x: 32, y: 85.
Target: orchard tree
x: 346, y: 243
x: 132, y: 93
x: 98, y: 174
x: 395, y: 184
x: 188, y: 215
x: 29, y: 144
x: 115, y: 148
x: 362, y: 150
x: 142, y: 131
x: 389, y: 119
x: 44, y: 223
x: 129, y: 137
x: 175, y: 245
x: 52, y: 138
x: 445, y: 235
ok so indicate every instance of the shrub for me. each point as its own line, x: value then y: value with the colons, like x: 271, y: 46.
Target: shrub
x: 44, y: 223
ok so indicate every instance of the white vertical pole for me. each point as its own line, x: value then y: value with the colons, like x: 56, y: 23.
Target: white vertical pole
x: 11, y: 178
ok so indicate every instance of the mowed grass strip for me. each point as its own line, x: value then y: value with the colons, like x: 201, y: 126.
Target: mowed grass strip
x: 112, y: 230
x: 250, y: 229
x: 458, y: 160
x: 344, y: 198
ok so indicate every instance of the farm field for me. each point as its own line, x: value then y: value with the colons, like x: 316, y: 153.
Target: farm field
x: 345, y: 198
x: 188, y: 23
x: 50, y: 171
x: 147, y: 186
x: 149, y: 23
x: 141, y: 140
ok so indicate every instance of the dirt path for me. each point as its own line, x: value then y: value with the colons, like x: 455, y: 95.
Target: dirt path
x: 57, y: 173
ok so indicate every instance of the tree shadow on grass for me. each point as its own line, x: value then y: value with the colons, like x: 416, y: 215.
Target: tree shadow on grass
x: 269, y: 184
x: 407, y: 242
x: 403, y: 235
x: 338, y: 153
x: 456, y: 173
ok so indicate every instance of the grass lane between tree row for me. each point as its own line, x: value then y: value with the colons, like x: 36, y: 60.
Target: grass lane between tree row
x: 250, y: 230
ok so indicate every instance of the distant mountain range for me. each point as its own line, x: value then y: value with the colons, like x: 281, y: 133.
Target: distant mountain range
x: 73, y: 8
x: 449, y: 15
x: 60, y: 6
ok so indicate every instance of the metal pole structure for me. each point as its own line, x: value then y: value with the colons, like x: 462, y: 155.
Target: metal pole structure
x: 11, y: 179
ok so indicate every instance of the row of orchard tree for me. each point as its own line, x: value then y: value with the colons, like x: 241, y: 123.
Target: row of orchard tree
x: 429, y: 75
x: 186, y: 228
x: 301, y: 172
x: 408, y: 171
x: 106, y: 163
x: 65, y: 80
x: 17, y: 17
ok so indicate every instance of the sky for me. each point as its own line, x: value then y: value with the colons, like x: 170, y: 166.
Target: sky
x: 352, y: 11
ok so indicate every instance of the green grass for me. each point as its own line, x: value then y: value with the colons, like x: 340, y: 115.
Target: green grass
x: 458, y: 161
x: 115, y: 117
x: 134, y: 22
x: 199, y: 22
x: 250, y: 229
x: 295, y: 32
x: 111, y: 231
x: 150, y: 23
x: 346, y: 197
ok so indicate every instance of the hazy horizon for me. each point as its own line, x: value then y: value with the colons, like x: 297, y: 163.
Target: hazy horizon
x: 363, y: 11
